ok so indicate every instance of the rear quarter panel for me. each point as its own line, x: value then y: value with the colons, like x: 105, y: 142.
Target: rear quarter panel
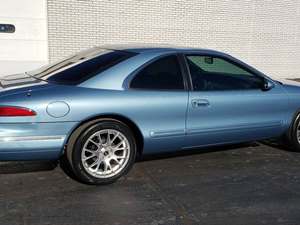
x: 160, y: 112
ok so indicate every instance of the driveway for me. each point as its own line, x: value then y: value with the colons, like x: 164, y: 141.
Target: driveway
x: 245, y: 184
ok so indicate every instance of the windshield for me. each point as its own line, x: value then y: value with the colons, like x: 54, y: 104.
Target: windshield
x: 81, y: 66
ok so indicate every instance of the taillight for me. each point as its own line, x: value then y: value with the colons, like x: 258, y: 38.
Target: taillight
x: 16, y: 111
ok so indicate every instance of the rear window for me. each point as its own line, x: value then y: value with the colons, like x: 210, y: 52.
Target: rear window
x: 81, y: 67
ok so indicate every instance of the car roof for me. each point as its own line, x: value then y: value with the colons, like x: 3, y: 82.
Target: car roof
x: 142, y: 48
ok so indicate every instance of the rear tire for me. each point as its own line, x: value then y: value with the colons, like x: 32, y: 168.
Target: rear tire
x: 102, y: 151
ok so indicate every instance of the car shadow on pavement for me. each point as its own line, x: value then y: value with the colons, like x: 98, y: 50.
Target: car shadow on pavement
x: 194, y: 151
x: 26, y: 166
x: 274, y: 143
x: 38, y: 166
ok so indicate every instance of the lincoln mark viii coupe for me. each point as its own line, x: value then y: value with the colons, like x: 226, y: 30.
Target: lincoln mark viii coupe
x: 104, y: 106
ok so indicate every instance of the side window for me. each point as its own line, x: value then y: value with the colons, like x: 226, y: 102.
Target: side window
x: 163, y: 74
x: 216, y: 74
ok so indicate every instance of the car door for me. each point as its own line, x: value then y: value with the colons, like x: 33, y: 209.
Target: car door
x: 160, y: 103
x: 228, y: 103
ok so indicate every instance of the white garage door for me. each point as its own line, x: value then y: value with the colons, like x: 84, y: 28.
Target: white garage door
x: 26, y: 48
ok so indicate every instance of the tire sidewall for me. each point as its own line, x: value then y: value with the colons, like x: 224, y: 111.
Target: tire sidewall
x: 78, y: 167
x: 293, y: 139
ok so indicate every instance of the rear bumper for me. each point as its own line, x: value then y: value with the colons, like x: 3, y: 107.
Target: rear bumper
x: 31, y: 147
x: 34, y: 141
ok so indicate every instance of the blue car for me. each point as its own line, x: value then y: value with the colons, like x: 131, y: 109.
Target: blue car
x: 104, y: 106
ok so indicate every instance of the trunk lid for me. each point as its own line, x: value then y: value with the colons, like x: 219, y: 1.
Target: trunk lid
x: 13, y: 84
x: 18, y: 80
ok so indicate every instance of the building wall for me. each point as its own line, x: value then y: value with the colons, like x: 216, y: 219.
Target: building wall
x: 265, y: 34
x: 27, y: 48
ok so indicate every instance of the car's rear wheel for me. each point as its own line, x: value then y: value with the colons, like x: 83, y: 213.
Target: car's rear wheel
x: 103, y: 152
x: 292, y: 139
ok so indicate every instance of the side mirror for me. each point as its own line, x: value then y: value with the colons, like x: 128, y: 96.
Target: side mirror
x: 267, y: 85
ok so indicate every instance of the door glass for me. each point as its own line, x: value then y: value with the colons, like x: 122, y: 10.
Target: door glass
x: 217, y: 74
x: 163, y: 74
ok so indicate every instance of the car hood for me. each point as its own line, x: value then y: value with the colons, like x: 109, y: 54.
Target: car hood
x: 290, y: 82
x: 291, y: 86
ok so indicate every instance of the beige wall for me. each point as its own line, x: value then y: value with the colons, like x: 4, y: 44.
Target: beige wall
x: 27, y: 48
x: 265, y: 34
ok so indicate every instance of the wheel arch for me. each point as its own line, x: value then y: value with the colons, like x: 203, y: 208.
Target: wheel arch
x: 83, y: 125
x: 291, y: 121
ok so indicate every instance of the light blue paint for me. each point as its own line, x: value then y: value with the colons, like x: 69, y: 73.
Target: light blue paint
x: 167, y: 120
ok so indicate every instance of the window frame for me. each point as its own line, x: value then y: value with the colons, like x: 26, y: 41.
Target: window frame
x: 183, y: 71
x: 227, y: 59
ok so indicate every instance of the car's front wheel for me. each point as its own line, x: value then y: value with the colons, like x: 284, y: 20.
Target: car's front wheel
x: 292, y: 138
x: 102, y: 152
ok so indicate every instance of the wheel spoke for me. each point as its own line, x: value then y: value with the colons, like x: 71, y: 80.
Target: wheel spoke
x: 100, y: 140
x: 117, y: 147
x: 93, y: 164
x: 98, y: 165
x: 117, y: 161
x: 108, y: 141
x: 95, y: 143
x: 120, y: 157
x: 107, y: 165
x: 90, y: 151
x: 88, y: 157
x: 114, y: 138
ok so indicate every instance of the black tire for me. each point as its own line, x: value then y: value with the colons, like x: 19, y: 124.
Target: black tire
x: 79, y: 138
x: 290, y: 139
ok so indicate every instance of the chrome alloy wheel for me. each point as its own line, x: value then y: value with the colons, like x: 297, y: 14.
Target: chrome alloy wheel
x: 105, y: 153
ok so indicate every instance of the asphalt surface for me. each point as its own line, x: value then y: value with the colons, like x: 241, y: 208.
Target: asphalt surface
x: 252, y: 184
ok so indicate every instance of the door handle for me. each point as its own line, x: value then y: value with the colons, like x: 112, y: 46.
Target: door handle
x: 200, y: 103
